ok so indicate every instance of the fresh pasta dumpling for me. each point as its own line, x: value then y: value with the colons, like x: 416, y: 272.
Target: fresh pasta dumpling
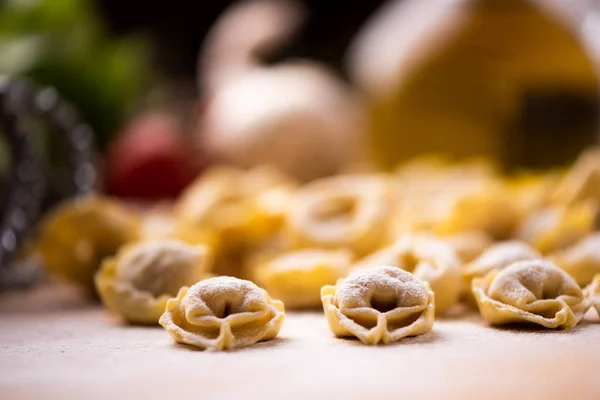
x: 582, y: 260
x: 498, y: 256
x: 379, y: 305
x: 469, y: 245
x: 139, y: 280
x: 239, y: 208
x: 426, y: 257
x: 556, y: 227
x: 534, y: 291
x: 223, y: 313
x: 296, y: 278
x: 348, y: 211
x: 453, y: 200
x: 77, y: 235
x: 592, y: 291
x: 242, y: 206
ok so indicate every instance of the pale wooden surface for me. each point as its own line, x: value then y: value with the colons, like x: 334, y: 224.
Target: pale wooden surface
x: 55, y: 346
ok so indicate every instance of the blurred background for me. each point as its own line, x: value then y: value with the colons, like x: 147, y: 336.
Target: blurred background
x: 313, y: 87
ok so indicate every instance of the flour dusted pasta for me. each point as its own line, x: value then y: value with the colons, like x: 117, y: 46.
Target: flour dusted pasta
x: 139, y: 280
x: 426, y: 257
x: 379, y: 305
x: 498, y: 256
x: 533, y: 291
x: 223, y: 313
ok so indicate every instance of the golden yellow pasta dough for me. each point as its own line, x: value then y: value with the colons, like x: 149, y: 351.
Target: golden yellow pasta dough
x: 296, y: 278
x: 499, y: 256
x: 533, y: 291
x: 347, y: 211
x: 240, y: 205
x: 426, y: 257
x: 77, y: 235
x: 592, y: 291
x: 240, y: 208
x: 379, y: 305
x: 531, y: 191
x: 556, y: 227
x: 469, y: 245
x: 582, y: 181
x: 454, y: 201
x: 223, y: 313
x: 137, y: 283
x: 582, y: 260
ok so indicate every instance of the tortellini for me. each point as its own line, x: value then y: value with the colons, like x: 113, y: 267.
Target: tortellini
x: 77, y: 235
x: 296, y: 278
x: 241, y: 208
x: 429, y: 259
x: 454, y: 200
x: 582, y: 260
x: 556, y: 227
x: 222, y: 313
x: 534, y: 291
x: 348, y: 211
x: 141, y: 278
x: 592, y: 291
x: 499, y: 256
x: 379, y: 305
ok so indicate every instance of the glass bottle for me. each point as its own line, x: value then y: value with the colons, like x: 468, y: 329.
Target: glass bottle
x: 509, y: 79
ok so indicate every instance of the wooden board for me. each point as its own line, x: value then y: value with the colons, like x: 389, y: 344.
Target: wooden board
x: 53, y: 345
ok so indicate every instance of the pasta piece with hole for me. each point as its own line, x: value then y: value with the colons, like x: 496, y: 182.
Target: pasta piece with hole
x: 426, y: 257
x: 240, y: 209
x: 497, y: 256
x: 379, y: 305
x: 223, y: 313
x: 139, y: 280
x: 533, y: 291
x: 347, y: 211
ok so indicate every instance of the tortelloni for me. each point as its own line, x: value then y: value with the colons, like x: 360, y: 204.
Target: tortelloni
x: 296, y: 278
x: 582, y: 260
x: 141, y: 278
x: 426, y: 257
x: 533, y: 291
x: 223, y: 313
x: 556, y: 227
x: 592, y: 291
x: 77, y: 235
x: 498, y: 256
x: 239, y: 208
x: 454, y: 200
x: 379, y: 305
x: 348, y: 211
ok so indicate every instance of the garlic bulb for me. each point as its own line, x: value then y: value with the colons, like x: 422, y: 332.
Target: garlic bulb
x: 295, y: 115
